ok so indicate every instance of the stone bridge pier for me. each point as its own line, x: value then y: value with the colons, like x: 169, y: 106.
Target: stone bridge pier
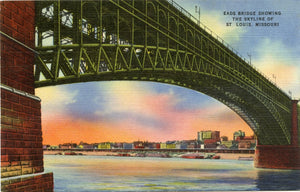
x: 282, y: 156
x: 22, y: 166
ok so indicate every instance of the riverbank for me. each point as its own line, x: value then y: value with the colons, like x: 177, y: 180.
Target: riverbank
x: 227, y: 156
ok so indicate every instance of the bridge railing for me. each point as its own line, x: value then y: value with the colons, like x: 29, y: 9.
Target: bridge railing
x: 208, y: 30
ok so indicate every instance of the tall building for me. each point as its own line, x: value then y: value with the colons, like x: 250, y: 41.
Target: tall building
x: 203, y: 135
x: 238, y: 134
x: 215, y: 135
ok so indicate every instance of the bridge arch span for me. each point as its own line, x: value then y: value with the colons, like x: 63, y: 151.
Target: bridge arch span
x: 123, y: 42
x: 211, y: 85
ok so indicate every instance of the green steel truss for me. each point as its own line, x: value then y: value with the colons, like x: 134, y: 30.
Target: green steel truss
x: 154, y: 40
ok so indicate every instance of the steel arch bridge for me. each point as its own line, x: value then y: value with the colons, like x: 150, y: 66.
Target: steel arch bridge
x: 154, y: 40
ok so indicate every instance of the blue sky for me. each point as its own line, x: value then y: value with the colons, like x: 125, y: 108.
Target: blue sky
x: 126, y: 111
x: 273, y: 50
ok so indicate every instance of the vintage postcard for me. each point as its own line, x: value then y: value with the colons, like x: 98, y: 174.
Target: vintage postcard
x: 150, y: 95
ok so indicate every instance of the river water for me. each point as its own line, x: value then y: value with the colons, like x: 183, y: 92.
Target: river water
x: 101, y: 173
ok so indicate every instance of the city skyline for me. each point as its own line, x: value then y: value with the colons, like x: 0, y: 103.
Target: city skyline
x: 123, y: 110
x: 231, y: 138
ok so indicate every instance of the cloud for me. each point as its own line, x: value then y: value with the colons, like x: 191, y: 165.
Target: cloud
x: 135, y: 99
x: 67, y: 129
x: 55, y: 99
x: 216, y: 21
x: 279, y: 63
x: 148, y: 113
x: 128, y: 111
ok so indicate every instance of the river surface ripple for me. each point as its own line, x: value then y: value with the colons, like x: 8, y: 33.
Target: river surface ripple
x: 106, y: 173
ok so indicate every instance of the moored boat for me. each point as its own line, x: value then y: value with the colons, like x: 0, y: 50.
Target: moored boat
x: 70, y: 153
x: 193, y: 156
x: 124, y: 154
x: 216, y: 157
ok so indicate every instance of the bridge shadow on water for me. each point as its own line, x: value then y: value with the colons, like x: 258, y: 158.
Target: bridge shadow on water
x: 278, y: 180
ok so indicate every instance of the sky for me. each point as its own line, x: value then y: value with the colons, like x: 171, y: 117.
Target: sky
x: 126, y: 111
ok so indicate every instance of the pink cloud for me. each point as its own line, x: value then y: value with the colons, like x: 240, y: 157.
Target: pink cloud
x: 173, y: 123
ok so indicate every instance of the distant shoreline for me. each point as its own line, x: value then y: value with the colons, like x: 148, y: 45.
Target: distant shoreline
x: 227, y: 156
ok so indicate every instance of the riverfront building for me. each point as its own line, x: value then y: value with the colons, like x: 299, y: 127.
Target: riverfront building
x: 238, y: 134
x: 204, y: 135
x: 105, y: 145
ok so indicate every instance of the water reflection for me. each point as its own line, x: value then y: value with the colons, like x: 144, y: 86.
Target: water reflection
x: 91, y: 174
x: 274, y: 180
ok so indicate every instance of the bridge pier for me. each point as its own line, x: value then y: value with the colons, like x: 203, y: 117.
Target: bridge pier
x: 22, y: 166
x: 277, y: 156
x: 282, y: 156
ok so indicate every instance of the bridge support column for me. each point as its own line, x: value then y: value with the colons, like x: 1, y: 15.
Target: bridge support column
x: 277, y: 157
x: 22, y: 166
x: 282, y: 156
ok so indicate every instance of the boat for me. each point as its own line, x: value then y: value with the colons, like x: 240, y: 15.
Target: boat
x: 124, y: 154
x: 216, y: 157
x: 70, y: 153
x: 193, y: 156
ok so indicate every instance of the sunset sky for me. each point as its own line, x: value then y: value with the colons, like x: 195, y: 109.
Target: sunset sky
x: 129, y: 111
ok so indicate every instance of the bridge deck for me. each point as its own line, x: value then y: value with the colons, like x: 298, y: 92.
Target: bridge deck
x: 154, y: 40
